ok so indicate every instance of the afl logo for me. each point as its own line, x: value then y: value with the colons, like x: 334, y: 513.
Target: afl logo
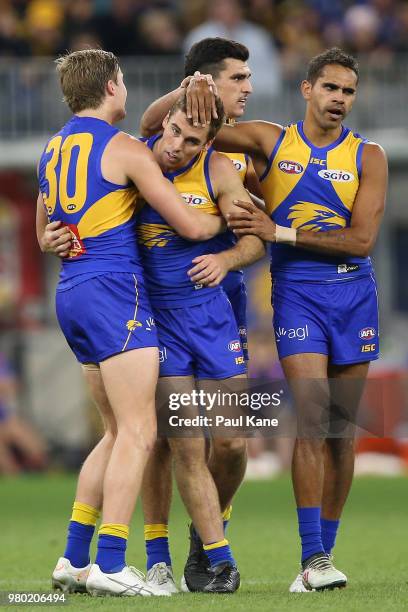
x: 234, y: 346
x: 367, y: 333
x: 290, y: 167
x: 193, y: 200
x: 338, y: 176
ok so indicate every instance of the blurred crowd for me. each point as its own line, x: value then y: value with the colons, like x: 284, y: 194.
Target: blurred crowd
x: 292, y: 29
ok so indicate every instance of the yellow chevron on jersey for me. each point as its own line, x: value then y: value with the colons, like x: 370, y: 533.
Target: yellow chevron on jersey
x: 108, y: 212
x: 240, y: 161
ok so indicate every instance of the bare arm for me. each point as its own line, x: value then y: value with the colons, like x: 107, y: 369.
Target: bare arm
x: 141, y: 168
x: 256, y: 138
x: 357, y: 240
x: 211, y: 269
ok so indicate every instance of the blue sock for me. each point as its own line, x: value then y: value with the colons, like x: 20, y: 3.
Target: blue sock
x: 157, y: 550
x: 219, y: 554
x: 310, y: 531
x: 329, y: 533
x: 111, y: 553
x: 78, y: 543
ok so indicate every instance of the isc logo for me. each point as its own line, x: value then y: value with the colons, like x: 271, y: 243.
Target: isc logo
x: 239, y: 360
x: 234, y: 346
x: 368, y: 348
x: 290, y: 167
x: 193, y: 199
x: 338, y: 176
x: 367, y: 333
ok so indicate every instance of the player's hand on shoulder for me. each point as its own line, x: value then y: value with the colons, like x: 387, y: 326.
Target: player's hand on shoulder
x: 209, y: 270
x: 251, y: 220
x: 200, y: 96
x: 56, y: 239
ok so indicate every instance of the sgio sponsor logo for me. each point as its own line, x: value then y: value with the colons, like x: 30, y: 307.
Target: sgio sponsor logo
x: 337, y: 176
x: 367, y: 333
x: 294, y: 333
x: 193, y: 199
x: 234, y: 346
x: 290, y: 167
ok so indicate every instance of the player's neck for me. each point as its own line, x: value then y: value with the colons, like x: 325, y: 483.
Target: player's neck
x: 319, y: 136
x: 99, y: 113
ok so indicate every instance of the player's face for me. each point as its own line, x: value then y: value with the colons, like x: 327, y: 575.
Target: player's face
x: 180, y: 142
x: 234, y: 87
x: 332, y: 96
x: 121, y: 95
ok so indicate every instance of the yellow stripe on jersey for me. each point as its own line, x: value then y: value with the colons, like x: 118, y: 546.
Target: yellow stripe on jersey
x: 344, y: 157
x: 154, y: 234
x: 109, y: 212
x: 277, y: 185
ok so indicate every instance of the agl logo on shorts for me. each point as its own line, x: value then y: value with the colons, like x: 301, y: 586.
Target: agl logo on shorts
x: 294, y: 333
x: 290, y: 167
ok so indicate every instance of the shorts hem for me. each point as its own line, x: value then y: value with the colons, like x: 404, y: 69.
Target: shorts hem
x: 302, y: 353
x: 113, y: 353
x: 221, y: 376
x: 351, y: 362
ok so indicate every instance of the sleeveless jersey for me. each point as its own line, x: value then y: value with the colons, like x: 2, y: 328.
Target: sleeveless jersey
x: 227, y: 239
x: 313, y: 188
x: 99, y: 214
x: 167, y: 256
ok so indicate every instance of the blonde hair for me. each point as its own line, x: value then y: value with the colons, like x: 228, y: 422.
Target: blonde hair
x: 84, y: 76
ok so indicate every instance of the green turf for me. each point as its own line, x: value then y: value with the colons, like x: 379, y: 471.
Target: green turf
x: 371, y: 547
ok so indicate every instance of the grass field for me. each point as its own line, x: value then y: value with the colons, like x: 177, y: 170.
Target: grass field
x: 372, y: 547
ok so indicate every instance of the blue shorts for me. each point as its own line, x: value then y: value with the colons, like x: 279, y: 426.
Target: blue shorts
x: 200, y: 340
x: 238, y: 298
x: 338, y: 319
x: 106, y: 315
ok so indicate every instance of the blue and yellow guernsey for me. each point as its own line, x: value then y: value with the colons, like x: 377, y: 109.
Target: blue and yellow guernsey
x: 99, y: 214
x: 313, y: 189
x: 166, y: 256
x: 227, y: 239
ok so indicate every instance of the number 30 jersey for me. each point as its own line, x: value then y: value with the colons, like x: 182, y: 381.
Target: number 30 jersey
x: 99, y: 214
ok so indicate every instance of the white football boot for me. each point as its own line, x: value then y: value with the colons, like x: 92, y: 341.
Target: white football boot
x: 68, y: 578
x: 161, y: 576
x: 321, y: 574
x: 129, y: 582
x: 297, y: 586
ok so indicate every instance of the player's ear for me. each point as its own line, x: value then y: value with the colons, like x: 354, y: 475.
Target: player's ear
x: 111, y: 87
x: 166, y: 120
x: 306, y: 89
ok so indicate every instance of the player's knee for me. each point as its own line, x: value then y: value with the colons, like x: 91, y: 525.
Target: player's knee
x: 229, y: 449
x: 141, y: 437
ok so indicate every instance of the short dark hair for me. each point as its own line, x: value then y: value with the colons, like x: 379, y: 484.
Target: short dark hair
x: 329, y: 57
x: 215, y: 125
x: 208, y: 55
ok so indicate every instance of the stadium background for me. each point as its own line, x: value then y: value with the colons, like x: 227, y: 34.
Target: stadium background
x: 40, y: 383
